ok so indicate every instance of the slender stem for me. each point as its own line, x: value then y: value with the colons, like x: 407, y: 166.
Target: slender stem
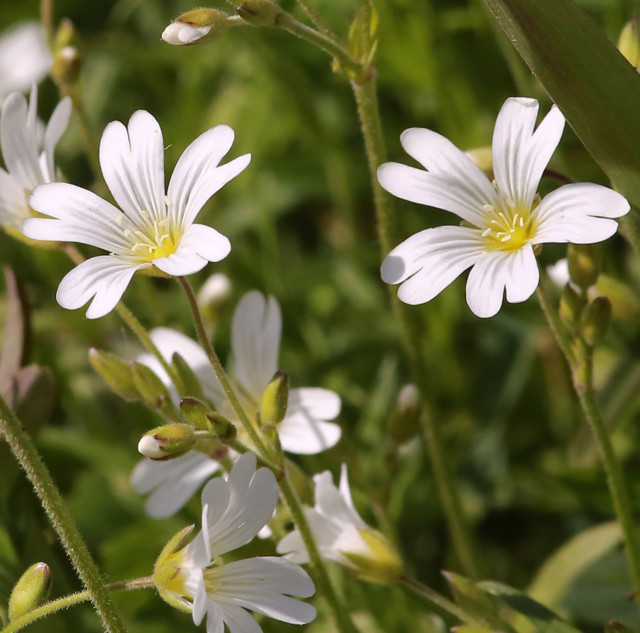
x: 53, y: 504
x: 68, y: 601
x: 315, y: 18
x: 287, y: 22
x: 438, y: 599
x: 321, y: 576
x: 134, y: 325
x: 367, y: 104
x: 219, y: 370
x: 46, y: 16
x: 581, y: 366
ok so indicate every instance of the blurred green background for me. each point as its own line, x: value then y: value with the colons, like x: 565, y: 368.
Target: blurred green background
x: 301, y: 223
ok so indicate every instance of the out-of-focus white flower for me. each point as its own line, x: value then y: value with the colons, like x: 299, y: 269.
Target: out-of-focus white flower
x: 27, y: 149
x: 559, y: 272
x: 342, y: 536
x: 197, y: 579
x: 214, y: 291
x: 24, y: 58
x: 502, y: 221
x: 255, y: 346
x: 154, y: 233
x: 179, y: 34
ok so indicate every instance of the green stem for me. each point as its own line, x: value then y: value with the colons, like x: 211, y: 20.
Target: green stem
x: 134, y: 325
x: 439, y: 600
x: 315, y: 18
x: 367, y: 104
x: 53, y: 504
x: 46, y: 16
x: 320, y: 573
x: 581, y: 366
x: 287, y: 22
x: 219, y: 370
x: 68, y: 601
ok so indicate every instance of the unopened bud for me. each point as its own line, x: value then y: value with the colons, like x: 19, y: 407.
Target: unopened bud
x: 572, y: 304
x: 482, y: 157
x: 472, y: 598
x: 152, y: 390
x: 584, y: 264
x: 195, y: 27
x: 404, y: 419
x: 167, y: 442
x: 30, y: 591
x: 260, y: 12
x: 223, y: 429
x: 190, y: 384
x: 115, y: 372
x: 215, y: 291
x: 595, y: 320
x: 195, y: 411
x: 629, y: 42
x: 66, y: 65
x: 378, y: 561
x: 274, y: 400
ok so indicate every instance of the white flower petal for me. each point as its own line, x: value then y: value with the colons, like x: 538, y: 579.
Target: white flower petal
x: 264, y: 585
x: 237, y: 619
x: 104, y: 278
x: 206, y: 242
x: 197, y: 175
x: 132, y: 161
x: 13, y: 202
x: 80, y: 216
x: 331, y: 503
x: 182, y: 262
x: 430, y: 260
x: 171, y: 483
x: 55, y: 129
x: 192, y: 34
x: 200, y: 601
x: 303, y: 430
x: 559, y: 272
x: 293, y: 546
x: 255, y: 341
x: 497, y: 271
x: 520, y: 156
x: 19, y: 140
x: 579, y: 213
x: 252, y: 498
x: 215, y: 619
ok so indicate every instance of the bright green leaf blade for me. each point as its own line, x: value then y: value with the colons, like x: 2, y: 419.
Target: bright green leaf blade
x: 595, y: 87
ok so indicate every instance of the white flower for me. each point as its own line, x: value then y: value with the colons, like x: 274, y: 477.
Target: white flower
x: 342, y: 536
x: 179, y: 34
x: 214, y: 291
x: 153, y: 233
x: 559, y: 272
x: 196, y: 578
x: 255, y: 343
x: 24, y: 58
x: 27, y: 149
x: 502, y: 221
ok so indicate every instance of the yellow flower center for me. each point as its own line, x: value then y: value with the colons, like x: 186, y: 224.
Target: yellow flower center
x: 159, y: 239
x: 508, y: 228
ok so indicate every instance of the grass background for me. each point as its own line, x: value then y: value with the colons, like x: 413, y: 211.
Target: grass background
x: 301, y: 223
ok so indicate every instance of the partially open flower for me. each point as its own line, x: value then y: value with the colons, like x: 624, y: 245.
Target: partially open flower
x: 195, y: 27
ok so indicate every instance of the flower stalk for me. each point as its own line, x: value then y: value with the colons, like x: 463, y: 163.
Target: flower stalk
x: 580, y: 360
x: 72, y: 599
x: 36, y: 471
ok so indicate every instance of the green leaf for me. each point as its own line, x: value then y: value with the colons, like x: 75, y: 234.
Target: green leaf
x: 595, y: 87
x: 553, y: 579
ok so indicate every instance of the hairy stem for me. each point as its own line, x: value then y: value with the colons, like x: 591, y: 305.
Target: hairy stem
x: 38, y: 474
x: 581, y: 366
x: 68, y: 601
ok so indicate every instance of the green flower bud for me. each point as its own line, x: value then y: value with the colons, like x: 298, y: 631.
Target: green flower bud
x: 260, y: 12
x: 195, y: 411
x: 167, y: 442
x: 584, y: 264
x: 66, y: 66
x: 190, y: 382
x: 195, y: 27
x: 30, y: 591
x: 222, y: 428
x: 572, y: 304
x: 152, y: 390
x: 274, y: 400
x: 115, y: 372
x: 169, y: 577
x: 404, y: 420
x: 595, y: 320
x: 471, y: 598
x: 629, y: 42
x: 380, y: 563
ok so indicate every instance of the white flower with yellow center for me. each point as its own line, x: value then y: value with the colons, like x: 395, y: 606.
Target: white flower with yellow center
x: 153, y: 232
x: 196, y: 578
x: 27, y: 149
x: 255, y: 346
x: 503, y: 220
x: 342, y: 536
